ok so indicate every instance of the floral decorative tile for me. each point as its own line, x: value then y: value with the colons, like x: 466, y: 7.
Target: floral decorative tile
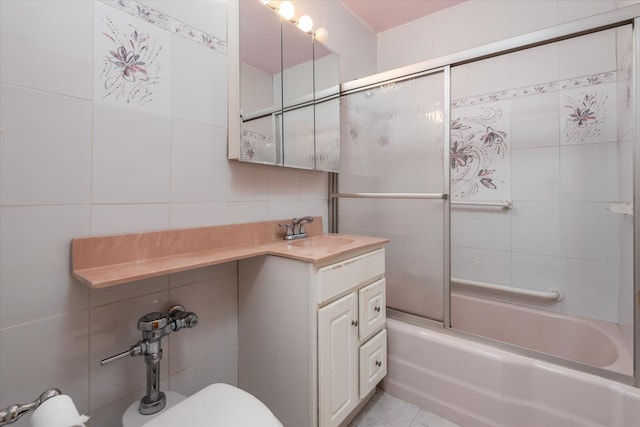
x: 479, y: 153
x: 588, y: 114
x: 132, y: 62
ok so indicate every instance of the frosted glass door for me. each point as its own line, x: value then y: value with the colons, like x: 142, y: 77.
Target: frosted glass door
x: 392, y: 142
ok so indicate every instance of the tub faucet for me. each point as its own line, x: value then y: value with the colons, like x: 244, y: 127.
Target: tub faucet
x: 296, y: 229
x: 154, y: 326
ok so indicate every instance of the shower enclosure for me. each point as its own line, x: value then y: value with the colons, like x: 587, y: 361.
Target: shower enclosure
x: 503, y: 175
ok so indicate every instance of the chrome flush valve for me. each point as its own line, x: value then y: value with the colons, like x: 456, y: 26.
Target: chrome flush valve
x: 154, y: 326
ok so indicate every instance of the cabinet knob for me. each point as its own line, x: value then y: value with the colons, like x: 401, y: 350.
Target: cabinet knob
x: 354, y: 323
x: 377, y: 309
x: 378, y: 363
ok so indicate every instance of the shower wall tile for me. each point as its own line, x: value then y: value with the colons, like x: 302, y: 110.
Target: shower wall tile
x: 131, y: 156
x: 482, y: 19
x: 115, y: 219
x: 535, y: 121
x: 45, y: 155
x: 538, y: 272
x: 589, y: 231
x: 601, y: 58
x: 588, y: 114
x: 460, y: 226
x: 313, y: 185
x: 194, y: 146
x: 35, y: 260
x: 113, y: 330
x: 209, y: 301
x: 531, y: 15
x: 589, y: 172
x: 536, y: 227
x: 488, y: 75
x: 450, y: 30
x: 47, y: 353
x: 388, y: 41
x: 569, y: 11
x: 590, y: 288
x: 535, y: 174
x: 490, y: 229
x: 232, y: 365
x: 199, y: 92
x: 31, y: 57
x: 187, y: 215
x: 481, y: 265
x: 533, y: 66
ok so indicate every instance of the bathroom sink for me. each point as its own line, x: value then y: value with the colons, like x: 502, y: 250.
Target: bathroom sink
x: 322, y: 242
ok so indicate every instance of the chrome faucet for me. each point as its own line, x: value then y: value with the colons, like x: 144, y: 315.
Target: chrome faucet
x: 154, y: 326
x: 296, y: 229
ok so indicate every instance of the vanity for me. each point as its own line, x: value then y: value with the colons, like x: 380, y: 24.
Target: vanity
x: 312, y: 337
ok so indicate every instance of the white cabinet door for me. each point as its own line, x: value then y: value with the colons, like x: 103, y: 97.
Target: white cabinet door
x: 338, y: 360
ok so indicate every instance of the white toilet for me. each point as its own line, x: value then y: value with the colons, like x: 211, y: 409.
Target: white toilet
x: 217, y: 405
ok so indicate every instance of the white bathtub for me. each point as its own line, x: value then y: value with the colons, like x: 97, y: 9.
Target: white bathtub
x: 479, y: 385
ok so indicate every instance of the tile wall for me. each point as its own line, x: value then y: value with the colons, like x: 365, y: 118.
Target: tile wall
x: 76, y: 162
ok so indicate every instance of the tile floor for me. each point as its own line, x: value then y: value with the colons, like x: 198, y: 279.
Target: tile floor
x: 385, y: 410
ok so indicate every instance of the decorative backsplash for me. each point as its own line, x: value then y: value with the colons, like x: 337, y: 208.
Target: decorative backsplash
x: 166, y: 22
x: 132, y: 62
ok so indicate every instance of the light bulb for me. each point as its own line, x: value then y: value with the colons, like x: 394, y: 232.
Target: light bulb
x: 322, y: 35
x: 287, y: 10
x: 305, y: 23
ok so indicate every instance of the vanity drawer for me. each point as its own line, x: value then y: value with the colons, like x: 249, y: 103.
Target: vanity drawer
x: 373, y: 362
x: 371, y: 309
x: 342, y: 276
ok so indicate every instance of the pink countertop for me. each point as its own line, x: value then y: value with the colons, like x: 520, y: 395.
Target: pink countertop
x: 104, y: 261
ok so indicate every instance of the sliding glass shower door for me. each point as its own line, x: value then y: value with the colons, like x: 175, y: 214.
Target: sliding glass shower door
x: 393, y: 183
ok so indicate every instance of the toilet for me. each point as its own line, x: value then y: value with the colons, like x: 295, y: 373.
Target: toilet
x: 217, y: 405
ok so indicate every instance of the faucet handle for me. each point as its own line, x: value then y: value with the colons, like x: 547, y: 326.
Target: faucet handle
x: 288, y: 231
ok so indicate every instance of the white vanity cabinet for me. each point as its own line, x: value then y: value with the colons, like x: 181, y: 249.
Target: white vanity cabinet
x: 312, y: 338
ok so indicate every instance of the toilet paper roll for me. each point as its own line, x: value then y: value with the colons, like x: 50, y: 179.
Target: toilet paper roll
x: 58, y: 411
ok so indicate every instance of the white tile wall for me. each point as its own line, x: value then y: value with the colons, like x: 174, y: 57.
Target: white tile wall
x: 131, y: 156
x: 46, y: 148
x: 72, y: 167
x: 40, y: 50
x: 535, y: 121
x: 535, y: 174
x: 536, y: 227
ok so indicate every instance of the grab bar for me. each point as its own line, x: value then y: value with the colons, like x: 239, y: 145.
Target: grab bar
x: 551, y: 295
x: 504, y: 204
x: 438, y: 196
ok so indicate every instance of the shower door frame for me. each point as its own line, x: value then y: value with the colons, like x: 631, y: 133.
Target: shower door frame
x: 612, y: 19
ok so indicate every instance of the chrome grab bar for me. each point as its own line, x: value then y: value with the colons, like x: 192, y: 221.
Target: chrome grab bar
x: 437, y: 196
x: 551, y: 295
x: 13, y: 413
x: 504, y: 204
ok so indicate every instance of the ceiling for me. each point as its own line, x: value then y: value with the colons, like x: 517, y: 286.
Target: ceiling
x: 380, y: 15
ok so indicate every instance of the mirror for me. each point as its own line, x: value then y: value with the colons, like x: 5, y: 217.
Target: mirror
x: 286, y: 92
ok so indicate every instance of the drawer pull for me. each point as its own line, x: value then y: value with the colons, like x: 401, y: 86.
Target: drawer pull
x: 377, y: 309
x: 354, y: 323
x: 378, y: 363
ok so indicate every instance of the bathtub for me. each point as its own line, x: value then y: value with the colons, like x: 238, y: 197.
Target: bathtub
x: 474, y: 384
x: 587, y: 341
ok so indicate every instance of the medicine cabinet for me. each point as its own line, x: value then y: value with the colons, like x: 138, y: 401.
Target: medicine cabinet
x: 284, y: 107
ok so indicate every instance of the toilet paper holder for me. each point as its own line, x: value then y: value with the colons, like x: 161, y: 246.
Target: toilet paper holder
x: 13, y: 413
